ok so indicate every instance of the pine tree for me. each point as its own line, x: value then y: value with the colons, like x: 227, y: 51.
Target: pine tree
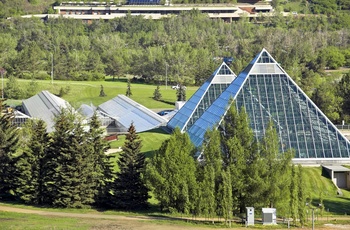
x: 181, y: 93
x: 9, y: 144
x: 102, y: 167
x: 32, y: 162
x: 128, y: 89
x: 129, y: 189
x: 157, y: 95
x: 102, y: 92
x: 68, y: 167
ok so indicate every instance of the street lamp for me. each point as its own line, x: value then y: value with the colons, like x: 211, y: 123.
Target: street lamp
x: 166, y: 75
x: 2, y: 71
x: 51, y: 68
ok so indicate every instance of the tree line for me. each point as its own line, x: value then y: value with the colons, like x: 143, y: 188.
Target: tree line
x: 234, y: 171
x: 185, y: 48
x: 69, y: 168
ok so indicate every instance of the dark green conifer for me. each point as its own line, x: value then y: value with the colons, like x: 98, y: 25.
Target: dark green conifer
x: 129, y: 189
x: 102, y: 168
x: 8, y: 147
x: 32, y: 164
x: 157, y: 95
x: 128, y: 89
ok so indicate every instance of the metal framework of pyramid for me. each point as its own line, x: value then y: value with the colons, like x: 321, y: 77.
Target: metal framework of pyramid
x: 202, y: 98
x: 267, y: 93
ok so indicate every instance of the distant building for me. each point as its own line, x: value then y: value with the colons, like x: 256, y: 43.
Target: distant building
x: 44, y: 106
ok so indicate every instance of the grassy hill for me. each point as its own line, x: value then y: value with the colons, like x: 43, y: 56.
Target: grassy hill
x: 320, y: 187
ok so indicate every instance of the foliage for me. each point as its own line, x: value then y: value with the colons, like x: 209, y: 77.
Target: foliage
x: 181, y: 93
x: 128, y: 89
x: 32, y: 163
x: 129, y: 191
x: 9, y: 144
x: 171, y: 173
x: 157, y: 94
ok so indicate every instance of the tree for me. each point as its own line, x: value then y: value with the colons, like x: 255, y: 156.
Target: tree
x: 343, y: 91
x: 32, y: 163
x: 301, y: 195
x: 128, y: 89
x: 294, y: 202
x: 129, y: 189
x: 181, y: 93
x: 171, y: 173
x: 276, y: 167
x: 102, y: 92
x: 69, y: 165
x: 9, y: 144
x: 102, y: 168
x: 157, y: 95
x: 225, y: 195
x: 12, y: 89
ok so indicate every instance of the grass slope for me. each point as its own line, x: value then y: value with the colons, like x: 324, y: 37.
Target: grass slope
x: 321, y: 187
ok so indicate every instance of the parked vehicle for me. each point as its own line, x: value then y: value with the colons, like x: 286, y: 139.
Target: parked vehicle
x: 177, y: 87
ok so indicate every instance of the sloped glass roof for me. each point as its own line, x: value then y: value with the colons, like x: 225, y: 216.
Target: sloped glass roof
x: 202, y: 98
x: 268, y: 93
x: 126, y: 111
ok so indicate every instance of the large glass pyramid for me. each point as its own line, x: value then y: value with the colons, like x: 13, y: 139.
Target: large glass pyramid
x: 202, y: 98
x: 268, y: 93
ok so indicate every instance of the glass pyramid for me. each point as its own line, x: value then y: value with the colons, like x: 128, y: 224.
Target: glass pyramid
x: 268, y: 93
x: 202, y: 98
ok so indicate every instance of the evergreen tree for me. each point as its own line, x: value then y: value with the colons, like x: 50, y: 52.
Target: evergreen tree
x: 157, y: 95
x: 31, y: 164
x: 102, y: 167
x: 181, y: 93
x: 128, y: 89
x: 68, y: 167
x: 129, y: 189
x: 9, y: 144
x: 172, y: 173
x: 102, y: 92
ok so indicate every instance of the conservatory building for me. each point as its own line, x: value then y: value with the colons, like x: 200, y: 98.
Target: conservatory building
x: 267, y: 93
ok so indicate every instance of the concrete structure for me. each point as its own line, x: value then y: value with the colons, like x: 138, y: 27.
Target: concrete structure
x: 339, y: 175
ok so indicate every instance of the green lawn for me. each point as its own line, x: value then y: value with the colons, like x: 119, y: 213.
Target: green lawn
x: 318, y: 185
x: 87, y: 92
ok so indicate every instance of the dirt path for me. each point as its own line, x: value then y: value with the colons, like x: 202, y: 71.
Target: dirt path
x: 101, y: 221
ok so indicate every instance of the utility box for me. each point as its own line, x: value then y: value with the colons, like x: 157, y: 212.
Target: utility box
x: 250, y: 216
x: 269, y: 216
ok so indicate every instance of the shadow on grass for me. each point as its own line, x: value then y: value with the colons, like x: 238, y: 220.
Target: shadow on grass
x: 168, y: 102
x: 340, y: 206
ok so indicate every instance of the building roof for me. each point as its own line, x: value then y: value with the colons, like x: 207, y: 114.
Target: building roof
x: 44, y: 106
x: 268, y: 93
x: 126, y: 111
x: 336, y: 168
x: 202, y: 98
